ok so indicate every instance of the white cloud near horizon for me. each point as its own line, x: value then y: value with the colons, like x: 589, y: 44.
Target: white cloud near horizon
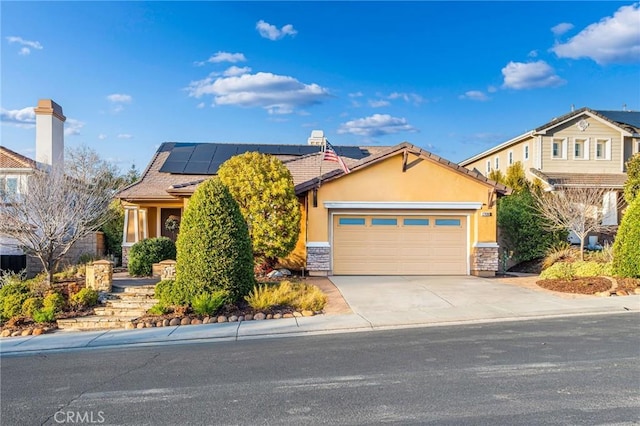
x: 25, y: 117
x: 561, y: 28
x: 124, y: 136
x: 72, y: 127
x: 474, y: 95
x: 234, y: 70
x: 102, y: 136
x: 27, y: 45
x: 272, y: 32
x: 376, y: 125
x: 120, y: 98
x: 407, y: 97
x: 278, y: 94
x: 220, y: 56
x: 530, y: 75
x: 615, y: 39
x: 379, y: 103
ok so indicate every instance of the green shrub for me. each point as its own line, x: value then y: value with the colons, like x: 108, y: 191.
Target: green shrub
x: 86, y: 258
x: 588, y: 269
x: 213, y: 248
x: 12, y: 296
x: 209, y: 303
x: 310, y: 298
x: 261, y: 297
x: 158, y: 309
x: 10, y: 277
x: 601, y: 256
x: 85, y: 298
x: 626, y: 247
x: 560, y: 270
x: 145, y: 253
x: 38, y: 285
x: 169, y: 293
x: 523, y: 229
x: 31, y: 305
x: 607, y: 269
x: 53, y: 301
x: 44, y: 315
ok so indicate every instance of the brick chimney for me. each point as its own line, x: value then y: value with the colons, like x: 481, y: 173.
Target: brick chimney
x: 49, y: 134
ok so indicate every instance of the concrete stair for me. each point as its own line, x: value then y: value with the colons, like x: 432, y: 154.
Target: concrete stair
x: 124, y: 304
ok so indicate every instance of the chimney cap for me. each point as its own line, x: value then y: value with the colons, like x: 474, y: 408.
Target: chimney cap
x: 49, y: 107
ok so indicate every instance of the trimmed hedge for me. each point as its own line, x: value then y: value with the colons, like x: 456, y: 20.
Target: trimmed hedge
x: 213, y: 248
x: 145, y: 253
x: 626, y: 247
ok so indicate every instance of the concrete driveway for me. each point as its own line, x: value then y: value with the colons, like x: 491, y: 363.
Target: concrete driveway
x: 417, y: 300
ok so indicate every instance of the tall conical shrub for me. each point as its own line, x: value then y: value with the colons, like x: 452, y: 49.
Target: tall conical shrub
x: 626, y: 247
x: 213, y: 247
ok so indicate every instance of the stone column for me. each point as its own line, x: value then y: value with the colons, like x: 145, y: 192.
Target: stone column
x: 485, y: 259
x: 319, y: 259
x: 99, y: 275
x: 168, y: 270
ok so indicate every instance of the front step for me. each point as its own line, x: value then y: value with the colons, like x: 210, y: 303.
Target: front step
x: 142, y: 290
x: 108, y: 311
x: 126, y: 304
x: 94, y: 322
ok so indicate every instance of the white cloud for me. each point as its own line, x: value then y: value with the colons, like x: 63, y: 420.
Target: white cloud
x: 124, y: 136
x: 72, y: 127
x: 27, y: 45
x: 561, y: 28
x: 615, y: 39
x: 378, y: 103
x: 120, y: 98
x: 200, y: 105
x: 25, y: 117
x: 102, y: 136
x: 224, y: 57
x: 492, y: 89
x: 475, y: 95
x: 520, y: 75
x: 407, y: 97
x: 272, y: 32
x: 278, y: 94
x: 234, y: 70
x: 356, y: 95
x: 376, y: 125
x: 533, y: 54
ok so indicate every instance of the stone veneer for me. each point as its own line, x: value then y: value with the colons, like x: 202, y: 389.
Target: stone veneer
x: 125, y: 256
x: 99, y: 275
x: 318, y: 259
x: 485, y: 261
x: 168, y: 270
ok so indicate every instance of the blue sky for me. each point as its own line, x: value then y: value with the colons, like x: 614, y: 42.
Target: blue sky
x: 454, y: 78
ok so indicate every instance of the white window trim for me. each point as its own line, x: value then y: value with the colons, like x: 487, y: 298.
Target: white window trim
x: 585, y: 148
x: 563, y: 148
x: 525, y: 152
x: 607, y: 149
x: 136, y: 225
x: 510, y: 158
x: 409, y: 205
x: 488, y: 166
x: 496, y: 162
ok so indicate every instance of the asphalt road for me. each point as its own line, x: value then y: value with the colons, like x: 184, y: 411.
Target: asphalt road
x: 570, y: 371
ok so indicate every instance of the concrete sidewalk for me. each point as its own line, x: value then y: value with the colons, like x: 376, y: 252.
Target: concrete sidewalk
x: 377, y: 303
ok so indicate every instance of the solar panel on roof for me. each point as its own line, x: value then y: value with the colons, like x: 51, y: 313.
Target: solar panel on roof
x: 173, y: 166
x: 197, y: 168
x: 213, y: 168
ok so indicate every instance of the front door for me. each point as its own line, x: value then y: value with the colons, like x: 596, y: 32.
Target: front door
x: 168, y: 227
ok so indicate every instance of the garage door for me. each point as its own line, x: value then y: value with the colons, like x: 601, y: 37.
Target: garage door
x: 399, y: 245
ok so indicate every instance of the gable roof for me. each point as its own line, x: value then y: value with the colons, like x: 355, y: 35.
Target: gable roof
x: 12, y: 160
x: 403, y: 147
x: 559, y: 180
x: 185, y: 159
x: 626, y: 121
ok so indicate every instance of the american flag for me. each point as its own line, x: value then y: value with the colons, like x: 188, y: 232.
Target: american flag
x: 330, y: 155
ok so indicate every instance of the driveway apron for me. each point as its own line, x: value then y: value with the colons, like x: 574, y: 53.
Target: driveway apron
x: 415, y: 300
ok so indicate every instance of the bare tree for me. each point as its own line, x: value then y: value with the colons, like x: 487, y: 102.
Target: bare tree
x: 56, y: 209
x: 578, y: 209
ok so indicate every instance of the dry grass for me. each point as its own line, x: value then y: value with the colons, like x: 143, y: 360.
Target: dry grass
x: 297, y: 295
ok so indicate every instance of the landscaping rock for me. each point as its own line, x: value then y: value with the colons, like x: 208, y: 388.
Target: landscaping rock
x: 248, y: 317
x: 222, y: 318
x: 185, y: 321
x: 603, y: 294
x: 140, y: 325
x: 287, y: 316
x: 269, y: 316
x: 275, y: 274
x: 277, y: 316
x: 233, y: 318
x: 636, y: 290
x: 26, y: 332
x: 259, y: 316
x: 5, y: 333
x: 285, y: 272
x: 160, y: 324
x: 196, y: 321
x: 37, y: 332
x: 622, y: 293
x: 297, y: 314
x: 16, y: 333
x: 129, y: 326
x: 174, y: 321
x: 165, y: 322
x: 308, y: 313
x: 206, y: 320
x: 241, y: 318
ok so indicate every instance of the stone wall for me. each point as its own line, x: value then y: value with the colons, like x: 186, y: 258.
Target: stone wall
x: 99, y: 275
x: 318, y: 260
x: 484, y: 261
x: 125, y: 256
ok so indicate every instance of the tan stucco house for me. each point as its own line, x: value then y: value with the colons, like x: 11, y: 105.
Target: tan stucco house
x: 584, y: 148
x: 400, y: 210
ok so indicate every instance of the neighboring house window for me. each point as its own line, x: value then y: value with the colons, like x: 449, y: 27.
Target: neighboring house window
x: 8, y: 186
x: 488, y: 166
x: 581, y: 149
x: 559, y: 148
x: 510, y: 156
x: 497, y: 163
x: 603, y: 149
x: 526, y: 152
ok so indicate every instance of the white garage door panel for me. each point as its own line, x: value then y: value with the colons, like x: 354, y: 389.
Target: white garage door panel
x: 418, y: 246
